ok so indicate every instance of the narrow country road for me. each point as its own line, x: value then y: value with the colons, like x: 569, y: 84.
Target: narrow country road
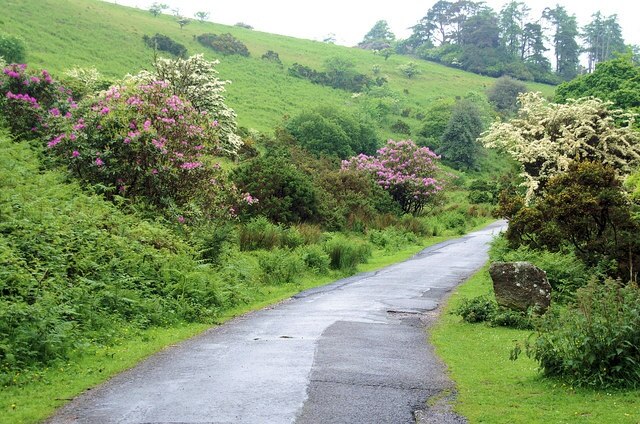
x: 351, y: 352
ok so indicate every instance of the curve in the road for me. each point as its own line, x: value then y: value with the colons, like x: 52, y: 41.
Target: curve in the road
x: 351, y: 352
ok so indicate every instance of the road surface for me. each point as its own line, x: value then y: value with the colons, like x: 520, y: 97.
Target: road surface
x: 351, y: 352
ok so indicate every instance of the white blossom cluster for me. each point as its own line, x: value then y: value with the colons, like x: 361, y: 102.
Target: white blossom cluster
x: 196, y: 80
x: 88, y: 78
x: 546, y: 137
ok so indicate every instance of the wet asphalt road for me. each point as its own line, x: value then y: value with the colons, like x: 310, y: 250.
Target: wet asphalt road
x: 351, y: 352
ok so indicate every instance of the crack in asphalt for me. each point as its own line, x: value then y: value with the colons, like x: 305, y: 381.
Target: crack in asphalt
x: 389, y: 386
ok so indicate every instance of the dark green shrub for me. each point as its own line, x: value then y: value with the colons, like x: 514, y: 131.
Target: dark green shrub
x: 596, y: 341
x: 482, y: 191
x: 458, y: 143
x: 346, y: 254
x: 279, y: 266
x: 12, y: 49
x: 476, y: 197
x: 300, y: 71
x: 477, y: 309
x: 503, y: 95
x: 165, y: 44
x: 224, y: 43
x: 454, y: 220
x: 285, y: 194
x: 339, y: 74
x: 259, y: 233
x: 243, y: 25
x: 436, y: 117
x: 315, y: 258
x: 334, y: 132
x: 401, y: 127
x: 272, y: 56
x: 584, y: 210
x: 351, y: 197
x: 485, y: 309
x: 505, y: 317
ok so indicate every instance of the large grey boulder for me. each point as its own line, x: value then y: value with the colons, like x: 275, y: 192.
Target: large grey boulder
x: 520, y: 285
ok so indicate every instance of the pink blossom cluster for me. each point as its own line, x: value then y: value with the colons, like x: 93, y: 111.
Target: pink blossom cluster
x: 249, y: 199
x: 36, y: 103
x: 406, y: 171
x: 146, y: 141
x: 25, y: 98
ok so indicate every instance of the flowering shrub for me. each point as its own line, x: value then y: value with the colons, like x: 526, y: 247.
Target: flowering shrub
x: 195, y: 79
x: 145, y: 141
x: 406, y: 171
x: 32, y: 102
x: 84, y: 82
x: 547, y: 137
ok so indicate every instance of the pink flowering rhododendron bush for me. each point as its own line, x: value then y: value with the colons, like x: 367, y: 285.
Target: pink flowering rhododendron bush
x: 408, y: 172
x: 145, y: 141
x: 32, y: 102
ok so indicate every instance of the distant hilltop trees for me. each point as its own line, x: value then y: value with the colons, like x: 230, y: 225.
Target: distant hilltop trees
x: 472, y: 36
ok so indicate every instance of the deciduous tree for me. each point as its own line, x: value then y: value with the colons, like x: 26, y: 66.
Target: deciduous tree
x: 157, y: 8
x: 458, y: 144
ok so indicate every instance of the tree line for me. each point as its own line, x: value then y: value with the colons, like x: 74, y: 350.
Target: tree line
x: 472, y: 36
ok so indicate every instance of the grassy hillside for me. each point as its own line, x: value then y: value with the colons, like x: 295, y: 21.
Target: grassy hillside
x: 61, y: 34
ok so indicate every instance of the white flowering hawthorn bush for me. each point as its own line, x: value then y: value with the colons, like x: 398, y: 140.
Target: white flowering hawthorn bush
x: 547, y: 137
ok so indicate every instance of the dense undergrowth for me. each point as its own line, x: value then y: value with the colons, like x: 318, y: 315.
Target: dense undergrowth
x: 493, y: 389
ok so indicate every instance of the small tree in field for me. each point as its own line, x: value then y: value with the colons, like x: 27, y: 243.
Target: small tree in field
x: 503, y: 95
x: 408, y: 172
x: 409, y: 69
x: 182, y: 21
x: 12, y: 49
x: 157, y: 8
x: 202, y: 16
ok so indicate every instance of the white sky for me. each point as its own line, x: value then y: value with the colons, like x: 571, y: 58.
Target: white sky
x: 351, y: 20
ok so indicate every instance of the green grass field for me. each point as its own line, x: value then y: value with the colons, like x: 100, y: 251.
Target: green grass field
x: 493, y: 389
x: 89, y: 33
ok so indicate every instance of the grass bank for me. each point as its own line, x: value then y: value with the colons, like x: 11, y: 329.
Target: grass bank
x: 493, y: 389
